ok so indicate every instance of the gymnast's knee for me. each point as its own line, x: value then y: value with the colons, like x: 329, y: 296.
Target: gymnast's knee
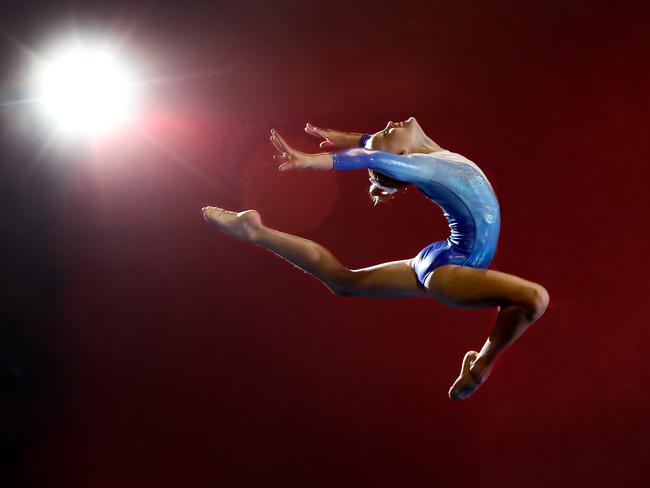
x: 537, y: 302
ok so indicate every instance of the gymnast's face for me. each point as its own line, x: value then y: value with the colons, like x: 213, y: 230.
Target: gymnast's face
x: 398, y: 137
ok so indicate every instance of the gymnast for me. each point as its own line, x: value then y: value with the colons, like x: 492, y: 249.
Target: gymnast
x: 453, y: 272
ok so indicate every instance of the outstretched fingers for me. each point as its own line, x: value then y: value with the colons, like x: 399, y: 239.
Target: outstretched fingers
x: 280, y: 143
x: 315, y: 131
x: 282, y: 147
x: 312, y: 130
x: 288, y: 156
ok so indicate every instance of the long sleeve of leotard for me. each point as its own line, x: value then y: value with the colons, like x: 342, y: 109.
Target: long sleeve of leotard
x: 412, y: 168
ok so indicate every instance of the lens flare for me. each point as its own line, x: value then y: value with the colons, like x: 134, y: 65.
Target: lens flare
x: 86, y: 90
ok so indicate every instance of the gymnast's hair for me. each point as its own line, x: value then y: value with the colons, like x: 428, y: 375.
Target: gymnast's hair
x: 382, y: 187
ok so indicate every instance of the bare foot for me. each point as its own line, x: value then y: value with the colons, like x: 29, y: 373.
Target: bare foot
x: 473, y: 374
x: 243, y: 225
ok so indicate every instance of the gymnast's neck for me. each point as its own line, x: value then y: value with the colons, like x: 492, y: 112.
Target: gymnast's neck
x: 427, y: 146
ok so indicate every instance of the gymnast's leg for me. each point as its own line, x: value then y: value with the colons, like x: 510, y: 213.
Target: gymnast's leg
x: 389, y: 280
x: 520, y: 303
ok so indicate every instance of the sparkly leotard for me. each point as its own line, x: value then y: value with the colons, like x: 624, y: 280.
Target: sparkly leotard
x: 457, y: 186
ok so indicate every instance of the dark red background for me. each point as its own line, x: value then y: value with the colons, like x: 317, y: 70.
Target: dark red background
x: 142, y: 348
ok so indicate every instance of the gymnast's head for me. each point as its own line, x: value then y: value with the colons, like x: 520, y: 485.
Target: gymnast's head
x: 405, y: 137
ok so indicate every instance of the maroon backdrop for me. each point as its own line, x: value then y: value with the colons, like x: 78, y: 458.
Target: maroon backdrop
x: 173, y: 355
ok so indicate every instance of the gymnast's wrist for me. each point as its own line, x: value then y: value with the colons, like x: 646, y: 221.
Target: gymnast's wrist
x: 345, y: 139
x: 324, y: 161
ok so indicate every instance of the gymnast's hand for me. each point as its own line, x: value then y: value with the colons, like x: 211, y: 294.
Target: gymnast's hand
x: 292, y: 159
x: 333, y: 137
x: 329, y: 135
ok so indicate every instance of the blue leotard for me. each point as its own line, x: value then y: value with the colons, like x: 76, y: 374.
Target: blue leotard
x: 457, y: 186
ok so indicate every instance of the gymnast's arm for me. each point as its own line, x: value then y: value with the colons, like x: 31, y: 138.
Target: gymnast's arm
x: 337, y: 137
x: 412, y: 168
x: 349, y: 139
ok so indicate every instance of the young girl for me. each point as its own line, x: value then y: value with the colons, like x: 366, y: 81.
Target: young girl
x: 453, y: 271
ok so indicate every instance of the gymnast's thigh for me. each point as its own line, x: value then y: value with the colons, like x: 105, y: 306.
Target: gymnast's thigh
x: 394, y: 279
x: 469, y: 287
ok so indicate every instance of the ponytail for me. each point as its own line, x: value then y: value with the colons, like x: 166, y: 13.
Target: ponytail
x: 382, y: 187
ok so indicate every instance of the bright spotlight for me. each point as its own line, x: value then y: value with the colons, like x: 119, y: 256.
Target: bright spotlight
x: 86, y: 90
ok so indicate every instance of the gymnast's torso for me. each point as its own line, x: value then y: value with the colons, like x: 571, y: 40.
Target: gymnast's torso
x: 454, y: 183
